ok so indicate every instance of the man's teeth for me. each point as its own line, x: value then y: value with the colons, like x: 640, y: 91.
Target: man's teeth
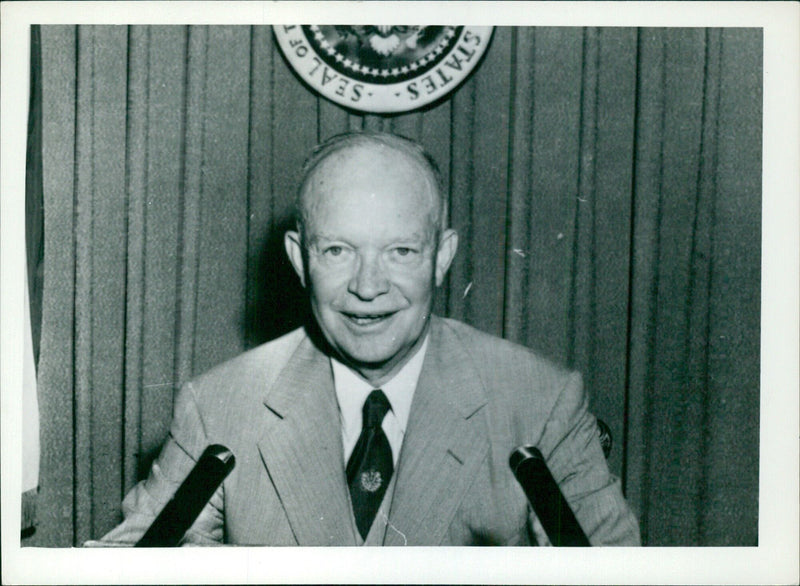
x: 363, y: 319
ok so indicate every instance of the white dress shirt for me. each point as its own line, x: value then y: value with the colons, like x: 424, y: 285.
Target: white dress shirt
x: 352, y: 392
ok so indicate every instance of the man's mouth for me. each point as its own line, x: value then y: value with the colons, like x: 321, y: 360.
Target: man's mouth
x: 367, y: 319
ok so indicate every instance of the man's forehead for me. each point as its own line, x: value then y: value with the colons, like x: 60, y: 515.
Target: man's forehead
x: 376, y: 169
x: 376, y: 219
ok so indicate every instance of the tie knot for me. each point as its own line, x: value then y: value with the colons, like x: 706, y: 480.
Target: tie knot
x: 375, y: 408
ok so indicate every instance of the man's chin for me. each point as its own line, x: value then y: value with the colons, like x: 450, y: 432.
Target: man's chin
x: 369, y: 361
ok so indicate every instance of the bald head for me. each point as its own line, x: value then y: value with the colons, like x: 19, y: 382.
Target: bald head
x: 354, y: 155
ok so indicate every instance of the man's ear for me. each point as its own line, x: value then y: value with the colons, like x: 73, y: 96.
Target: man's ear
x: 294, y: 250
x: 448, y: 244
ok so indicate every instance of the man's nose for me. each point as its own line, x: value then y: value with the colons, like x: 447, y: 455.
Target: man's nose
x: 369, y: 280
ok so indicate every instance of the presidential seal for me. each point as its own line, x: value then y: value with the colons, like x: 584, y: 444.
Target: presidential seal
x: 382, y: 68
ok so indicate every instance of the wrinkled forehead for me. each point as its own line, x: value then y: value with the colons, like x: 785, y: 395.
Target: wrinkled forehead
x: 373, y: 164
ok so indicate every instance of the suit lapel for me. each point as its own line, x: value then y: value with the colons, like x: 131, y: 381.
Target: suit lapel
x: 302, y: 450
x: 444, y: 445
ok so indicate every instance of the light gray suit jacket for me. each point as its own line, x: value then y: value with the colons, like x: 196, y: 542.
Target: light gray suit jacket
x: 478, y: 398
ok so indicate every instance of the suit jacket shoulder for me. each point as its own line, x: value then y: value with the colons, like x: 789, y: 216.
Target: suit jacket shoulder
x: 264, y: 361
x: 524, y: 381
x: 244, y: 379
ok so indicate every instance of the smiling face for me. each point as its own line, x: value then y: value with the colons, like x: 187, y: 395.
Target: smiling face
x: 371, y: 255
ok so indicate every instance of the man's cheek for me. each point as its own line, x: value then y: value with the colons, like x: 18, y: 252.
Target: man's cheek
x: 326, y: 282
x: 414, y: 283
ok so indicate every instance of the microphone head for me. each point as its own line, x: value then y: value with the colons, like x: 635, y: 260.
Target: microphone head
x: 523, y: 454
x: 222, y: 454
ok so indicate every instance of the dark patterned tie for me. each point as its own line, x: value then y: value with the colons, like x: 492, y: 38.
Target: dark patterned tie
x: 369, y: 469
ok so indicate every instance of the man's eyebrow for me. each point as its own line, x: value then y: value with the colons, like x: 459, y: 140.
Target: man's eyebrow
x: 415, y: 237
x: 317, y: 237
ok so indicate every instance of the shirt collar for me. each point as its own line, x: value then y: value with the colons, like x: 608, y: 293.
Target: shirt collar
x: 352, y: 390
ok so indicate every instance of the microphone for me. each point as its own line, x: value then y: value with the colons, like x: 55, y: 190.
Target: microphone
x: 558, y: 520
x: 192, y: 495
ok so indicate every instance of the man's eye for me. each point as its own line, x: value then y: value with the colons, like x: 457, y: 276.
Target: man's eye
x: 403, y: 254
x: 336, y: 253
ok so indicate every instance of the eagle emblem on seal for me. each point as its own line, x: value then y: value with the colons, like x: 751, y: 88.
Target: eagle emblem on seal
x: 384, y: 39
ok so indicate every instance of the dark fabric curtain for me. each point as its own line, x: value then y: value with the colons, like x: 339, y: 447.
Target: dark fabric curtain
x: 606, y: 184
x: 34, y: 227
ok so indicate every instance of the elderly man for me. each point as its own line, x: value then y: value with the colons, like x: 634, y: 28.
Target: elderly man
x: 380, y: 424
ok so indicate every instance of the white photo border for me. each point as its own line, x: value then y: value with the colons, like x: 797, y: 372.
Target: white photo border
x: 774, y: 560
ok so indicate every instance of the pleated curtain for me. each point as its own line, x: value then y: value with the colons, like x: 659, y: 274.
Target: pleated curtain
x: 605, y: 183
